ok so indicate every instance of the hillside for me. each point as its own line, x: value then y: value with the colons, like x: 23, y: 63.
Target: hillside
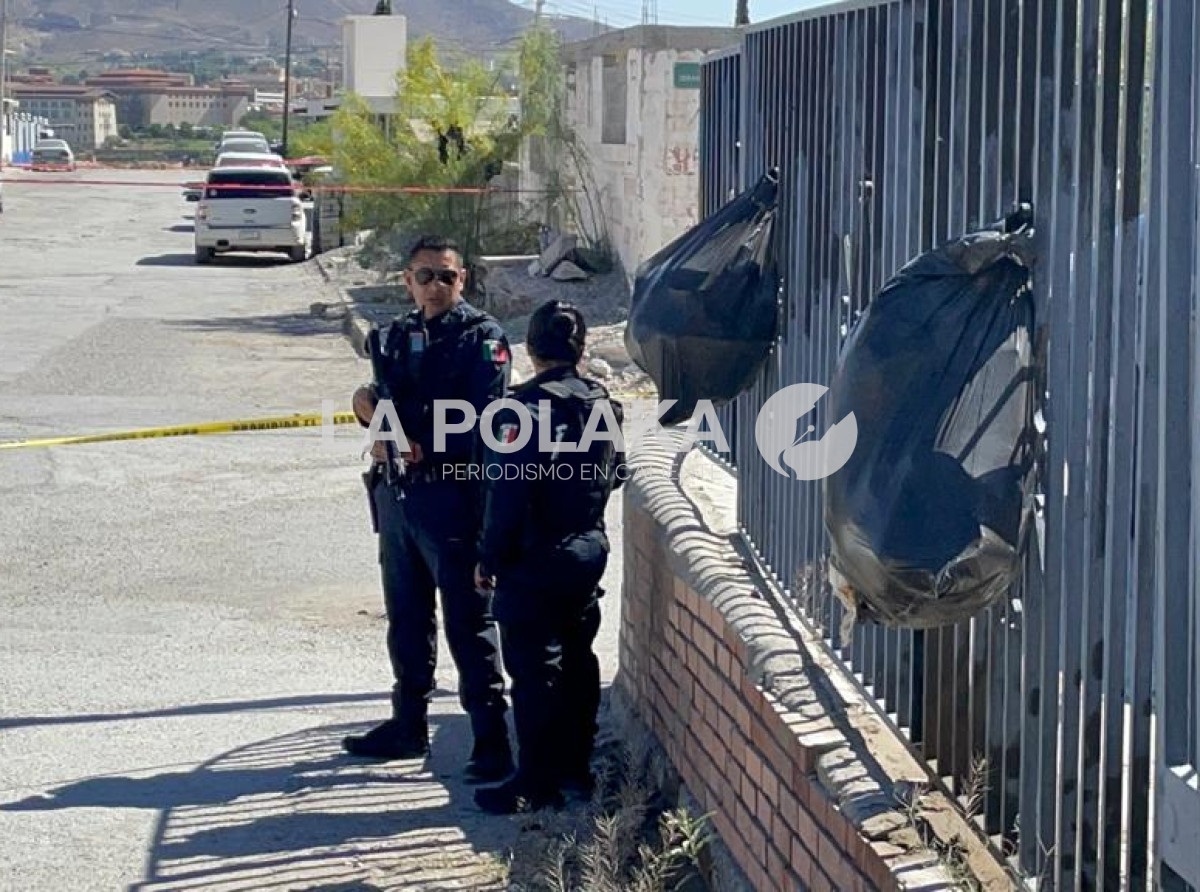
x: 75, y: 30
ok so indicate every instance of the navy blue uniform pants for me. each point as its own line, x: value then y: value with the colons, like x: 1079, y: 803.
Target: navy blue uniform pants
x: 549, y: 614
x: 426, y: 543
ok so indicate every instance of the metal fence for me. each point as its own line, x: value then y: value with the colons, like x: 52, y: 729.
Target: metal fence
x: 24, y: 131
x: 897, y: 126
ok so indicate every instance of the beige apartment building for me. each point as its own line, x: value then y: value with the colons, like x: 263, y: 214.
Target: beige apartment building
x: 86, y: 117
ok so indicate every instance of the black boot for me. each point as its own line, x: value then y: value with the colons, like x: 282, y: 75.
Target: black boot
x: 391, y: 740
x: 491, y: 759
x: 516, y: 796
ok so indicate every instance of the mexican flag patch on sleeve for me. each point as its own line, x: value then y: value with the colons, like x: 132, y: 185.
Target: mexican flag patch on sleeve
x: 495, y: 351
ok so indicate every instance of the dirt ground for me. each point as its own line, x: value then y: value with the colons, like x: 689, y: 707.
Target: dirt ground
x: 511, y: 295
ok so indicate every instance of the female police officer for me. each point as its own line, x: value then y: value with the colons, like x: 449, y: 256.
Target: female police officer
x: 543, y: 549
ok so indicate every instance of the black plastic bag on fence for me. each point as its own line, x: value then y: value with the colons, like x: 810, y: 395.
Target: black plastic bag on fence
x: 927, y: 519
x: 705, y: 308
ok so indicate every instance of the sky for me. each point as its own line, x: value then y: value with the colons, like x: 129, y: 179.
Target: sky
x: 621, y: 13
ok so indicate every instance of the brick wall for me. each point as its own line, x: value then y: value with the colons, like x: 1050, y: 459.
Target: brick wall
x: 750, y: 719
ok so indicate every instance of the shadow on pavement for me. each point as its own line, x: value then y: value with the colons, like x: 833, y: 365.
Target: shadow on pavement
x: 180, y: 227
x: 242, y: 261
x: 281, y: 324
x: 295, y: 812
x: 217, y: 708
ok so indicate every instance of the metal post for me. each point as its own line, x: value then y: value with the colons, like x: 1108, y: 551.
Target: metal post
x: 4, y: 128
x: 287, y: 75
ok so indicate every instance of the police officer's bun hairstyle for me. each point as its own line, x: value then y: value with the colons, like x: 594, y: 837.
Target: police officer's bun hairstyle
x: 557, y: 332
x: 435, y: 243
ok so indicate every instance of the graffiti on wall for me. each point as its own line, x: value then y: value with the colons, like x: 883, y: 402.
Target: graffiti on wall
x: 682, y: 161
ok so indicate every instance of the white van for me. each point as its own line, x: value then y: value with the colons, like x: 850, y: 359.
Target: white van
x: 250, y: 209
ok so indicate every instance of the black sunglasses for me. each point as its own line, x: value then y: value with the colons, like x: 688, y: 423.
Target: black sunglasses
x: 425, y: 275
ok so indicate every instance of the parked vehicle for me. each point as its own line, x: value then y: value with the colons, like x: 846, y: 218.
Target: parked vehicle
x: 52, y: 154
x: 250, y: 209
x: 308, y: 171
x: 254, y: 144
x: 250, y: 159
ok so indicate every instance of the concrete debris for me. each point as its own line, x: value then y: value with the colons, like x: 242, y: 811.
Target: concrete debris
x: 560, y: 249
x: 566, y: 271
x: 599, y: 368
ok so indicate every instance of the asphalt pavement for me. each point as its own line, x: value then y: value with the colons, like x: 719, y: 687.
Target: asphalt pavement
x: 191, y: 624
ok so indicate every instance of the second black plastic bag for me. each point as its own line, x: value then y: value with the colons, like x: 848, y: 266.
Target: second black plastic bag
x: 704, y: 309
x: 927, y: 517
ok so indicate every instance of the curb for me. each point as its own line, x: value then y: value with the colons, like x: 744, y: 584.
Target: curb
x: 354, y: 326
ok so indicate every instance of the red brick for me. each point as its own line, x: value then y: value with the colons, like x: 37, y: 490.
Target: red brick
x: 763, y: 809
x: 742, y: 817
x: 776, y: 866
x: 756, y: 838
x: 728, y: 729
x: 789, y: 809
x: 803, y: 766
x: 879, y: 873
x: 808, y: 830
x: 741, y: 715
x: 840, y: 870
x: 754, y: 766
x: 780, y: 832
x: 819, y: 882
x: 708, y: 677
x: 729, y: 699
x: 771, y: 785
x: 842, y: 830
x: 800, y: 859
x: 724, y: 661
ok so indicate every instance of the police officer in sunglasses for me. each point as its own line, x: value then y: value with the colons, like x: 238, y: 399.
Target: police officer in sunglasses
x: 427, y: 515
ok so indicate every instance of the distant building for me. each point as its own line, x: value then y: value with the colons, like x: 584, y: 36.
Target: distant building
x: 145, y: 97
x: 132, y: 86
x: 633, y: 99
x: 222, y: 106
x: 86, y: 117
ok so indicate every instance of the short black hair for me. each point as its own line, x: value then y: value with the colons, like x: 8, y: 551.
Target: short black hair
x: 436, y: 243
x: 557, y: 332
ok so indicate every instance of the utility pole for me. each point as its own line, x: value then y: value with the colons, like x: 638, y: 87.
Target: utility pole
x: 3, y: 78
x: 537, y: 10
x: 287, y: 75
x: 742, y: 15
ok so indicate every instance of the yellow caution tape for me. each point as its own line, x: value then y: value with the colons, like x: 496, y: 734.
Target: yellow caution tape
x: 190, y: 430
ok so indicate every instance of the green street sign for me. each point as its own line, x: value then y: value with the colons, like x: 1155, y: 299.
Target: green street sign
x: 687, y: 75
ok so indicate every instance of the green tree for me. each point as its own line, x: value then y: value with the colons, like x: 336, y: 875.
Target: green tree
x: 269, y: 126
x: 455, y: 129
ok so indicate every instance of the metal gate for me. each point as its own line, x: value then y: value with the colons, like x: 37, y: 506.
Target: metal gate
x: 900, y: 125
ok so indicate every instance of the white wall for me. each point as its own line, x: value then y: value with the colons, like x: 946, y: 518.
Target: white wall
x: 648, y: 187
x: 374, y: 48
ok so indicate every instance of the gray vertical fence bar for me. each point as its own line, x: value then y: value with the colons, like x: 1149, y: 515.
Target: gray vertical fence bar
x: 720, y: 105
x: 897, y: 125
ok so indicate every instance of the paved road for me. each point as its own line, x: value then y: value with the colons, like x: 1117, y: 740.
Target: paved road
x: 190, y: 625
